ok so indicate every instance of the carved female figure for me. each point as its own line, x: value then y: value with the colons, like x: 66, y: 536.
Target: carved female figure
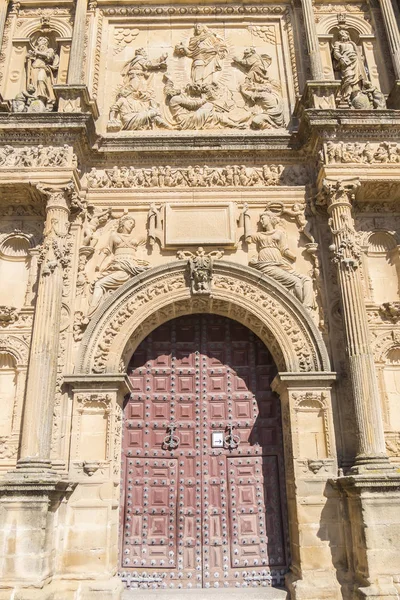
x: 275, y: 259
x: 122, y: 263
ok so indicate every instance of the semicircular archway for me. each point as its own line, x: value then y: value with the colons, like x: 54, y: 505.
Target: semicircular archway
x: 238, y: 292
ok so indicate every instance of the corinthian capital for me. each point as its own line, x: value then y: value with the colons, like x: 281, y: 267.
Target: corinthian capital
x: 338, y: 191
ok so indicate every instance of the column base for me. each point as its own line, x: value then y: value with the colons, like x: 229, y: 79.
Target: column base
x: 364, y: 463
x: 393, y: 100
x: 314, y: 585
x: 29, y: 503
x: 373, y: 520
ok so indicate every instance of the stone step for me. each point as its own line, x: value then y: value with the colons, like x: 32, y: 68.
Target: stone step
x: 261, y: 593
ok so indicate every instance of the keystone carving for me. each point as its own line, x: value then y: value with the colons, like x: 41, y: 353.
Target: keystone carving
x: 200, y: 269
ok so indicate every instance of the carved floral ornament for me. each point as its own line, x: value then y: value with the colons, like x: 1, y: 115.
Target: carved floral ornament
x: 150, y: 299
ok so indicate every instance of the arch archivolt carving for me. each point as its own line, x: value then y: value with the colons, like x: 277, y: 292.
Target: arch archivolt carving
x: 238, y: 292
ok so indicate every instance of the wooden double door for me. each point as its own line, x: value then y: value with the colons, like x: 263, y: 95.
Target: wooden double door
x: 203, y: 501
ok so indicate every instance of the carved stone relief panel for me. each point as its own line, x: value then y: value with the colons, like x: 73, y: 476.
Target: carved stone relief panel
x: 190, y: 75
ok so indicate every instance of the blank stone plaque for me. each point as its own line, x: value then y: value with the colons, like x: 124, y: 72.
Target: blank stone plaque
x: 199, y: 224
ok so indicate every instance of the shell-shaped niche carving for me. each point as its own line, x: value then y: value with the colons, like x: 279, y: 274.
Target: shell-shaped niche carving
x: 383, y: 267
x: 14, y: 270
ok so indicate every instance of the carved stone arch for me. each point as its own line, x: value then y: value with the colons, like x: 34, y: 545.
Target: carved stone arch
x: 16, y: 347
x: 62, y: 27
x: 328, y: 23
x: 239, y: 292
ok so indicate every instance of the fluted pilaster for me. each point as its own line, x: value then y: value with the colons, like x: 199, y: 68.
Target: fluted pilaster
x: 347, y: 254
x: 312, y: 40
x: 42, y: 369
x: 77, y: 45
x: 393, y: 33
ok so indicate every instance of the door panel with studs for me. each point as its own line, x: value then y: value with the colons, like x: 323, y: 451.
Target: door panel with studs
x: 203, y: 501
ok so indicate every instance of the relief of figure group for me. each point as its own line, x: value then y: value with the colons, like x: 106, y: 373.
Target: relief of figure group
x: 206, y: 101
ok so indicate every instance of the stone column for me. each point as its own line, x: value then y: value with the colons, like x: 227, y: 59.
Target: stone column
x: 42, y: 369
x: 312, y: 40
x: 393, y: 34
x: 347, y: 254
x: 78, y: 40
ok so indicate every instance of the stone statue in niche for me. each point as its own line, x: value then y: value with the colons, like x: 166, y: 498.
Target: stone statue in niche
x: 120, y: 261
x: 42, y: 68
x: 41, y: 74
x: 260, y: 91
x: 207, y: 51
x: 274, y: 257
x: 355, y: 90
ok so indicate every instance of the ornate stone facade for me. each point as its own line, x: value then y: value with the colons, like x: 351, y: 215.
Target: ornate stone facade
x: 161, y: 161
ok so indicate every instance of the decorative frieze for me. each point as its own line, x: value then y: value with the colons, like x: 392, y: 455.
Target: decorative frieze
x: 198, y: 176
x: 37, y: 156
x: 361, y: 153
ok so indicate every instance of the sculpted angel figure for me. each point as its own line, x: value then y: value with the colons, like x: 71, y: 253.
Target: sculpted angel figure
x: 121, y: 261
x: 275, y: 259
x: 93, y: 221
x: 207, y: 50
x: 349, y: 63
x: 42, y: 69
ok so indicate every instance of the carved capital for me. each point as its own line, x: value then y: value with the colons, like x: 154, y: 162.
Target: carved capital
x: 63, y: 197
x: 335, y: 192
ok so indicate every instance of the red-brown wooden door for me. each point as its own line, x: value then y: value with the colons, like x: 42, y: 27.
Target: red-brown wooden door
x: 193, y: 513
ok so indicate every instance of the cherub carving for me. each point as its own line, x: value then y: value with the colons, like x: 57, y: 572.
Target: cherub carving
x: 93, y: 220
